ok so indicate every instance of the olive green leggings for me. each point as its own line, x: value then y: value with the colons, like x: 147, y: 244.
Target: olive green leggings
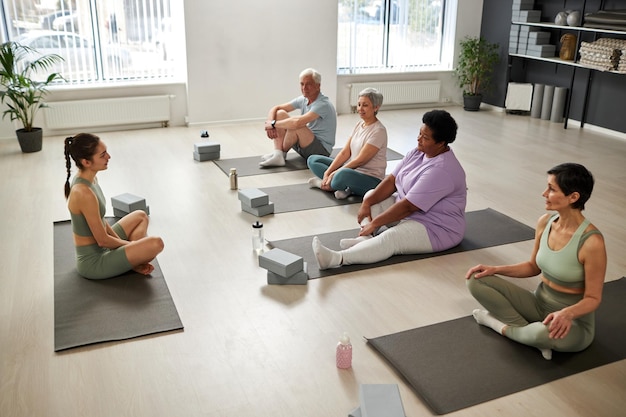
x: 524, y: 311
x: 94, y: 262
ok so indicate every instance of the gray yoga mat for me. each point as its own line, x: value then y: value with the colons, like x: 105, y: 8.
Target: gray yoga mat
x: 485, y: 228
x: 458, y: 364
x: 248, y: 166
x: 296, y: 197
x: 95, y: 311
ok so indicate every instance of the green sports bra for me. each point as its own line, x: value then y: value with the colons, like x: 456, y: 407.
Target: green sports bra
x: 562, y: 266
x: 79, y: 223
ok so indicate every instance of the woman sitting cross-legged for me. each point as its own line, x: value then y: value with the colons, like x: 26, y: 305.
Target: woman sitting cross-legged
x: 570, y: 255
x: 422, y: 203
x: 361, y: 164
x: 103, y: 251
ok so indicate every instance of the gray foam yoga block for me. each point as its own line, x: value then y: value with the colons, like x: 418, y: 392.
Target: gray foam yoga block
x: 281, y: 262
x: 128, y: 202
x: 206, y: 147
x: 259, y: 211
x: 253, y: 197
x: 121, y: 213
x: 206, y: 156
x: 381, y: 400
x: 299, y: 278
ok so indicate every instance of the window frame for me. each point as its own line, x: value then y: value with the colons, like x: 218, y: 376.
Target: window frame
x: 446, y: 47
x: 109, y: 62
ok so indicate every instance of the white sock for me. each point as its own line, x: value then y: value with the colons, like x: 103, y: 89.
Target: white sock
x: 276, y: 160
x: 546, y: 353
x: 315, y: 182
x: 343, y: 194
x: 326, y: 258
x: 348, y: 243
x: 269, y: 155
x: 485, y: 318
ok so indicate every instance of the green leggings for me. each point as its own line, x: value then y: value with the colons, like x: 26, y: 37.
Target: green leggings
x: 94, y: 262
x: 524, y: 311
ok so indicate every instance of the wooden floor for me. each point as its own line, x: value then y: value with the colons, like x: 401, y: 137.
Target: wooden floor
x: 249, y: 349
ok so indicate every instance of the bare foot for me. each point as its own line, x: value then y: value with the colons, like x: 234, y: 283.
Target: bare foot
x: 144, y: 269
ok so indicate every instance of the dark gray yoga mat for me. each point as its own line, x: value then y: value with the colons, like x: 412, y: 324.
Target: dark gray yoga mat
x: 485, y: 228
x: 95, y: 311
x: 248, y: 166
x: 458, y: 363
x: 297, y: 197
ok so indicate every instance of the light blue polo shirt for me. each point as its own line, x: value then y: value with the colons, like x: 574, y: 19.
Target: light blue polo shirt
x: 325, y: 126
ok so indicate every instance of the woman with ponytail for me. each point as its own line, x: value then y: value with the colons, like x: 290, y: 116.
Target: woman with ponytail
x: 103, y: 251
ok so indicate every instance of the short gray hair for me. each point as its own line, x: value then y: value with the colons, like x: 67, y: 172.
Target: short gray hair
x: 374, y: 95
x: 310, y: 72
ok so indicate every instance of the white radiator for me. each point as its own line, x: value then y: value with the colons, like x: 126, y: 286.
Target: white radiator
x: 108, y: 112
x: 400, y: 92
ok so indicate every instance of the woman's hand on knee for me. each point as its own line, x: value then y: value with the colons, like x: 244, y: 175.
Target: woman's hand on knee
x: 480, y: 271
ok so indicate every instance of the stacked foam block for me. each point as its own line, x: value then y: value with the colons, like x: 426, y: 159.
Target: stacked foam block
x: 539, y: 45
x: 379, y: 400
x: 284, y: 268
x: 523, y: 11
x: 528, y: 40
x: 206, y: 151
x: 255, y: 201
x: 127, y: 203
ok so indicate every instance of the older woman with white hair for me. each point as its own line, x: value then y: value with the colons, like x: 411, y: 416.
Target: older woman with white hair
x: 360, y: 166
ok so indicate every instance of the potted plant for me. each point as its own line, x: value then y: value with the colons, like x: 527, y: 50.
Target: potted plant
x: 477, y: 58
x: 22, y: 94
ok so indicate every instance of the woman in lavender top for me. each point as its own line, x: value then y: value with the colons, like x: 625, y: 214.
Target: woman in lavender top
x: 421, y: 203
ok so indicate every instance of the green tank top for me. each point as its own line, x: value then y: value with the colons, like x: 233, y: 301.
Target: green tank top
x: 562, y: 266
x: 79, y: 223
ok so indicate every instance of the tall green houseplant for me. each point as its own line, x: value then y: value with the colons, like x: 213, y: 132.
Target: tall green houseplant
x: 23, y: 94
x: 477, y: 59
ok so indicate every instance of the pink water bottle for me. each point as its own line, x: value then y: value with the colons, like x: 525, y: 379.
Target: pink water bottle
x: 344, y: 352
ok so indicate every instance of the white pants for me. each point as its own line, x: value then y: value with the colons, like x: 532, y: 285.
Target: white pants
x: 400, y: 238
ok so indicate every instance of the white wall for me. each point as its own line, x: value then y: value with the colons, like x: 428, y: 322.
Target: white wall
x: 245, y: 56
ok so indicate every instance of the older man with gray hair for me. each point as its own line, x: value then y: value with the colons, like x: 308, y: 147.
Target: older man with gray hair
x: 312, y: 132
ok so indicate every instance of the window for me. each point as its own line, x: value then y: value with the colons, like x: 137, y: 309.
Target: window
x: 100, y: 41
x: 393, y: 36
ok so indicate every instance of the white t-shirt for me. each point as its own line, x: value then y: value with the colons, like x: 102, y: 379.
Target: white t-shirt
x: 375, y: 135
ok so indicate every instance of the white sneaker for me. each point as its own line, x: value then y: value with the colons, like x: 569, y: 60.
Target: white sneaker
x: 343, y: 194
x: 315, y: 182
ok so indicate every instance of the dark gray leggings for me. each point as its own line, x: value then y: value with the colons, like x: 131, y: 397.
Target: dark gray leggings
x: 524, y: 311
